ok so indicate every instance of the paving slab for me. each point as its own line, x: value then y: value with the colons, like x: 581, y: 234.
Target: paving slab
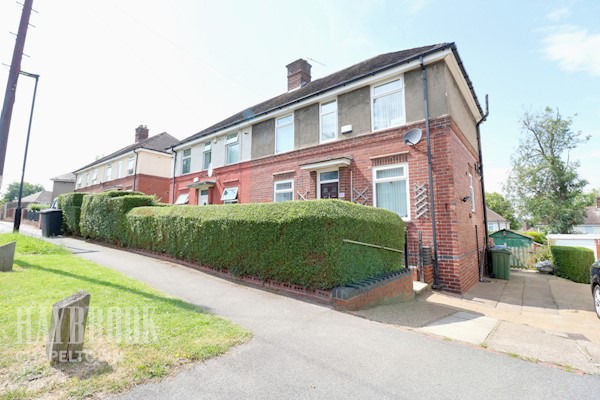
x: 463, y: 326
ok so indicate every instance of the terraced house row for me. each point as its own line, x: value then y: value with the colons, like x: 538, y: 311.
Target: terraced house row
x: 394, y: 131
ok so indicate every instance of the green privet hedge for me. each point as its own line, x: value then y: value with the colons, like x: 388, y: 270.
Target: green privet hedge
x: 70, y: 204
x: 298, y: 241
x: 103, y: 214
x: 572, y: 262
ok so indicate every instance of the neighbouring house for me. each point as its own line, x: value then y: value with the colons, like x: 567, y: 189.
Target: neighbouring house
x: 356, y: 135
x: 591, y: 222
x: 590, y: 241
x: 42, y: 197
x: 145, y: 166
x: 496, y: 222
x: 64, y: 183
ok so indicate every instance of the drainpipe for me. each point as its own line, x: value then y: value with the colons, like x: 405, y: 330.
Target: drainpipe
x: 135, y: 167
x: 436, y: 268
x: 173, y: 179
x: 485, y: 223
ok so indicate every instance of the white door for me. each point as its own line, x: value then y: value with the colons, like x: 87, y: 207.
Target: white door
x: 203, y: 197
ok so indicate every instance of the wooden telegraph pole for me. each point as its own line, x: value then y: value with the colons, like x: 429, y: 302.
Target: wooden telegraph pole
x: 11, y: 84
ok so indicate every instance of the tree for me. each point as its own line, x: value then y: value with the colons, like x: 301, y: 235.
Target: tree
x: 544, y: 184
x: 12, y: 191
x: 500, y: 205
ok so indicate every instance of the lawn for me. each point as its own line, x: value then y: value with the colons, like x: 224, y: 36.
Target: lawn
x: 134, y: 333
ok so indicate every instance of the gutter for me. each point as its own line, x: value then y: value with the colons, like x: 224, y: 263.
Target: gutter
x: 485, y: 220
x: 436, y: 267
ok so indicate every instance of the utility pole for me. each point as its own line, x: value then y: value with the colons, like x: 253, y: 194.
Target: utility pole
x: 11, y: 84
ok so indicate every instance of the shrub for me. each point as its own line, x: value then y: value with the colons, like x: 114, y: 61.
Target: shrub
x: 103, y: 214
x: 537, y: 237
x: 70, y: 204
x: 573, y: 262
x: 37, y: 207
x: 300, y: 242
x: 542, y: 253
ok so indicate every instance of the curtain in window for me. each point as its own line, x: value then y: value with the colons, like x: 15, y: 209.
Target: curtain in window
x: 387, y: 111
x: 392, y: 196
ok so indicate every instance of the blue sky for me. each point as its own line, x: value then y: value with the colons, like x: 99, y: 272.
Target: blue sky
x: 182, y: 65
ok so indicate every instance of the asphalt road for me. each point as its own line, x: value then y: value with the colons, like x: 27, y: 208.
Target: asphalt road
x: 304, y: 351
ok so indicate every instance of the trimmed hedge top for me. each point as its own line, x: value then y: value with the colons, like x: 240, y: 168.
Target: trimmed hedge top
x: 299, y: 242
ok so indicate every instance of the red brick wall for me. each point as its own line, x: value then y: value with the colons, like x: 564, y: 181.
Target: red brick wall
x: 152, y: 185
x: 452, y: 157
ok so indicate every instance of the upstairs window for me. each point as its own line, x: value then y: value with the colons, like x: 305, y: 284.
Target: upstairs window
x: 283, y: 191
x: 79, y: 179
x: 95, y: 177
x: 388, y: 104
x: 206, y: 155
x: 284, y: 134
x: 328, y: 121
x: 130, y: 165
x: 119, y: 169
x: 472, y: 192
x: 232, y: 148
x: 108, y: 173
x: 186, y: 161
x: 87, y: 179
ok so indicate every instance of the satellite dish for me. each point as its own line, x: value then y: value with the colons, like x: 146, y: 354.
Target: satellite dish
x: 413, y: 136
x: 210, y: 169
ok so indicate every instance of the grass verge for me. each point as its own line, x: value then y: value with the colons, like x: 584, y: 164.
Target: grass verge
x: 134, y: 333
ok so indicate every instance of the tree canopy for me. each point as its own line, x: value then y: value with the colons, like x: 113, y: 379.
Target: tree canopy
x: 12, y: 190
x: 500, y: 205
x: 544, y: 184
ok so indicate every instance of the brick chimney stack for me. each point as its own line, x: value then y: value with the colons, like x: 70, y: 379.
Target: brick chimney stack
x: 141, y: 133
x: 298, y: 74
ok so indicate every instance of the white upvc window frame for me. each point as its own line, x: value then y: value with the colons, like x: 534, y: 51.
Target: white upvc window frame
x: 79, y: 180
x: 335, y: 117
x: 186, y: 157
x: 119, y: 169
x: 207, y: 150
x: 374, y: 97
x: 319, y: 181
x: 472, y: 191
x: 230, y: 195
x: 131, y: 169
x: 108, y: 173
x: 284, y: 125
x: 281, y: 191
x: 95, y: 176
x: 232, y: 140
x: 87, y: 179
x: 393, y: 179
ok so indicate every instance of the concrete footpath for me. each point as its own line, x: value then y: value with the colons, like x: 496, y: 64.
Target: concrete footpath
x: 303, y: 350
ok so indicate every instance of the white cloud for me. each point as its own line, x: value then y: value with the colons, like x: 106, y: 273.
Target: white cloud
x: 574, y: 48
x: 558, y: 14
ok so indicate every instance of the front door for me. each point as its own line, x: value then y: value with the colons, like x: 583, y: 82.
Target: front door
x: 203, y: 197
x: 328, y: 185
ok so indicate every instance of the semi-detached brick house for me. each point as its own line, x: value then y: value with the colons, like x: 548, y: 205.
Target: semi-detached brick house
x: 343, y: 136
x: 144, y: 166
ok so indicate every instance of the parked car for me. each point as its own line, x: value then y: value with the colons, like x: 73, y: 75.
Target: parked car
x: 595, y: 282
